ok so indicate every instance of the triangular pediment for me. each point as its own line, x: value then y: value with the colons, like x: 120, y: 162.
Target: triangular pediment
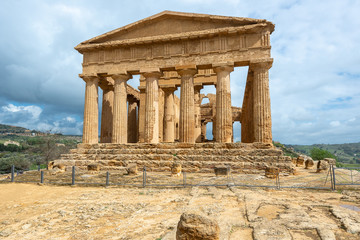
x: 169, y: 23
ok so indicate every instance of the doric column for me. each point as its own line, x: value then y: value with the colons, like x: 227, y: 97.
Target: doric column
x: 132, y: 120
x: 187, y: 116
x: 197, y: 103
x: 91, y: 110
x: 119, y: 133
x: 203, y: 131
x: 223, y: 131
x: 169, y: 114
x: 152, y: 106
x: 107, y: 114
x: 177, y: 117
x: 161, y: 114
x: 141, y: 116
x: 261, y: 95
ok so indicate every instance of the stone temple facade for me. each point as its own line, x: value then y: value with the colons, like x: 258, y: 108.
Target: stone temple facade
x: 151, y: 126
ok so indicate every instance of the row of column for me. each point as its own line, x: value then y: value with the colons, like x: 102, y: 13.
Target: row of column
x: 256, y: 107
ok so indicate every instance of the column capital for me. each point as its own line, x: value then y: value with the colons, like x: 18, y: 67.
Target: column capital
x: 89, y: 78
x: 151, y: 72
x: 261, y: 63
x: 121, y: 76
x: 169, y: 88
x: 225, y: 66
x: 186, y: 70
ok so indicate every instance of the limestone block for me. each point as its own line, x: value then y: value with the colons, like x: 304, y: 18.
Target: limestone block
x: 322, y: 165
x: 93, y: 167
x: 69, y: 168
x: 60, y: 166
x: 331, y: 161
x: 50, y: 165
x: 132, y: 169
x: 195, y: 226
x: 300, y: 161
x: 271, y: 172
x: 309, y: 163
x: 176, y: 169
x: 222, y: 170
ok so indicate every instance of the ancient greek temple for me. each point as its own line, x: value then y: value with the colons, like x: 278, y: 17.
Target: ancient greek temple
x: 170, y: 51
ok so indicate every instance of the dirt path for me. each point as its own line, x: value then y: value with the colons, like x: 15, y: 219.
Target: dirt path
x: 31, y: 211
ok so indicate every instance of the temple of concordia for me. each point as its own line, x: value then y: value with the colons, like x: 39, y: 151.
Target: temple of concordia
x: 151, y: 126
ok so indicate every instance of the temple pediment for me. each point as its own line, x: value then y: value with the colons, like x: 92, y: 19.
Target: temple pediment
x: 168, y: 24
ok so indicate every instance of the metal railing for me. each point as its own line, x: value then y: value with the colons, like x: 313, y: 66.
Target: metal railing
x: 332, y: 178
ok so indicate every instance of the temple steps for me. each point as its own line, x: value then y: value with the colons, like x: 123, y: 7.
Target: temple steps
x: 202, y: 157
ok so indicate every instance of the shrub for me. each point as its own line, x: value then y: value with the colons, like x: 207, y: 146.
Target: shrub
x: 319, y: 154
x: 18, y: 160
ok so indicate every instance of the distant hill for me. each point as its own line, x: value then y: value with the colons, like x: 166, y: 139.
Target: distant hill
x: 12, y: 129
x: 346, y: 153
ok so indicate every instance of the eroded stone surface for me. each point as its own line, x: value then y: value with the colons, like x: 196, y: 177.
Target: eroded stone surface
x: 197, y: 226
x: 38, y: 212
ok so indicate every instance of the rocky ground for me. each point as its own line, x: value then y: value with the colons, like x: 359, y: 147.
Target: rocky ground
x: 30, y: 211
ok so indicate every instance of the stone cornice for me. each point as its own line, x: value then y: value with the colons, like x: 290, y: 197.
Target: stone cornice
x: 83, y: 47
x: 179, y: 15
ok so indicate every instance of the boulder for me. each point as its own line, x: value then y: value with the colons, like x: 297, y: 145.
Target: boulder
x: 132, y: 169
x: 309, y: 163
x: 331, y: 161
x: 294, y: 160
x: 322, y: 165
x: 271, y: 172
x: 222, y: 170
x: 176, y: 169
x: 197, y: 227
x: 50, y: 165
x: 300, y: 161
x: 60, y: 166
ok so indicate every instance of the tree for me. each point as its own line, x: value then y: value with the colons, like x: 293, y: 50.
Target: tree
x: 319, y: 154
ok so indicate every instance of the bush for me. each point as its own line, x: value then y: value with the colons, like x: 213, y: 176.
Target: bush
x: 10, y: 148
x: 319, y: 154
x: 18, y: 160
x: 35, y: 141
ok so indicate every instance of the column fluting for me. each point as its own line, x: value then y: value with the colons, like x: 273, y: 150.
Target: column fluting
x: 119, y: 133
x: 224, y: 121
x: 91, y: 110
x: 187, y: 111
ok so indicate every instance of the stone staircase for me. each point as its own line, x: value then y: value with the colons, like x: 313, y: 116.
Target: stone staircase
x: 199, y: 157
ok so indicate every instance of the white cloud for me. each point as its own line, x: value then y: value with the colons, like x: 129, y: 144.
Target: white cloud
x: 335, y: 123
x: 31, y: 117
x: 33, y: 111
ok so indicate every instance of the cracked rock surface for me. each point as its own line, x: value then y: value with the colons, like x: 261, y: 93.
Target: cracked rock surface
x: 52, y: 212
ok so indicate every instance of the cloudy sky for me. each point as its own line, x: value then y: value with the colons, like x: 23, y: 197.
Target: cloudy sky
x: 314, y: 81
